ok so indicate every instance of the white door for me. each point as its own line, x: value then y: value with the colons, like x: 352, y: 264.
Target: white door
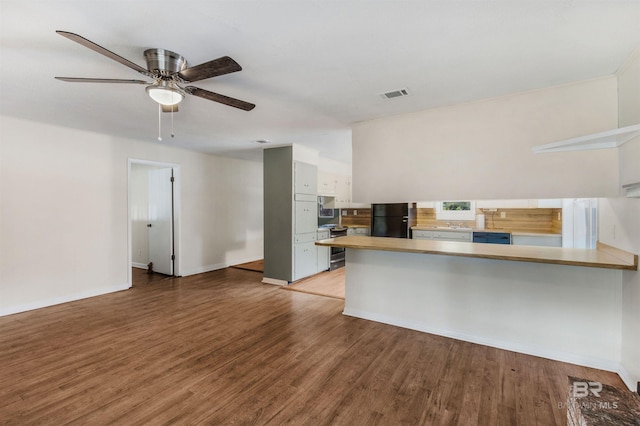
x: 161, y: 220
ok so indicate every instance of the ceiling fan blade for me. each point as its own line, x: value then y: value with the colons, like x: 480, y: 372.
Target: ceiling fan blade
x: 214, y: 68
x: 109, y: 54
x: 169, y: 108
x: 216, y: 97
x: 100, y: 80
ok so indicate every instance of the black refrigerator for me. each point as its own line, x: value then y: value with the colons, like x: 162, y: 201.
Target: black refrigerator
x: 393, y: 220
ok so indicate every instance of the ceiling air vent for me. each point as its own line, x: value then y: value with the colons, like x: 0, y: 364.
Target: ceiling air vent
x: 395, y: 94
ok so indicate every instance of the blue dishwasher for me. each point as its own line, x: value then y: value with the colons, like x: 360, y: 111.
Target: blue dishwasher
x: 492, y: 237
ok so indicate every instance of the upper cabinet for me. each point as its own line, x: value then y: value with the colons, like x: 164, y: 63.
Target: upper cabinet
x: 327, y: 183
x: 305, y: 178
x: 519, y: 204
x: 337, y: 186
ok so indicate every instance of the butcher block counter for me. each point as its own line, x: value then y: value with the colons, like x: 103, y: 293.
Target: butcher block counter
x: 603, y: 257
x: 557, y: 303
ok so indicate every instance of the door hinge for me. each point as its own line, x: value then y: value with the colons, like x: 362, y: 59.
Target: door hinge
x: 172, y: 179
x: 173, y: 257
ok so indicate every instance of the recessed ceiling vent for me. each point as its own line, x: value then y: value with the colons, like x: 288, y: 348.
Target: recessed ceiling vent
x: 395, y: 94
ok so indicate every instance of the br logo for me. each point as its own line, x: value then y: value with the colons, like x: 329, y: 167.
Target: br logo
x: 582, y: 389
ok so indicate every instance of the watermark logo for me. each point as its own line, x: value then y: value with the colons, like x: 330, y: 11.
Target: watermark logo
x: 582, y: 389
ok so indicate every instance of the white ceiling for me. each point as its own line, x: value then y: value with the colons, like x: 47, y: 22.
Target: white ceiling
x: 311, y: 67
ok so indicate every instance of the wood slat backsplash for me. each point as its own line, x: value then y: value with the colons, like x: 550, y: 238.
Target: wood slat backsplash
x: 349, y: 218
x: 522, y: 220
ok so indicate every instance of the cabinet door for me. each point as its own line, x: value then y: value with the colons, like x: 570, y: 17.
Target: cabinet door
x: 343, y: 191
x: 452, y: 236
x: 419, y: 234
x: 324, y: 257
x: 542, y: 240
x: 326, y: 183
x: 362, y: 231
x: 305, y: 178
x: 305, y: 260
x: 306, y: 218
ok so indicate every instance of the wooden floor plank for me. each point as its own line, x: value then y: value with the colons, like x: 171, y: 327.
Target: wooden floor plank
x: 222, y: 348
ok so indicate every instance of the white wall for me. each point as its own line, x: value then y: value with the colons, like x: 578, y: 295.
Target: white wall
x: 619, y: 223
x: 482, y: 150
x: 63, y: 212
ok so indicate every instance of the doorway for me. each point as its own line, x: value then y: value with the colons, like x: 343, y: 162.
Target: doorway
x: 154, y: 217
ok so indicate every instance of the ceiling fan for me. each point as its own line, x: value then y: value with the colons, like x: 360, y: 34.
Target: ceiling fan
x: 169, y: 71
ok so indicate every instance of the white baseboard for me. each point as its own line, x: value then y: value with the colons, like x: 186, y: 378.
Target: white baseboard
x: 215, y: 267
x: 9, y: 310
x: 626, y: 378
x: 572, y: 358
x: 203, y: 269
x: 274, y: 281
x: 139, y: 265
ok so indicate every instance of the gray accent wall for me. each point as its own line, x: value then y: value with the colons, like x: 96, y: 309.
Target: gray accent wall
x: 278, y: 208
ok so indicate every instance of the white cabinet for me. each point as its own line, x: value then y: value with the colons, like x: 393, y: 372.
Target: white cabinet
x: 343, y: 191
x: 305, y: 260
x: 305, y: 216
x: 519, y: 204
x: 554, y: 203
x: 305, y: 178
x: 326, y: 183
x: 362, y: 231
x: 538, y: 240
x: 337, y: 186
x: 323, y: 253
x: 452, y: 236
x: 418, y: 234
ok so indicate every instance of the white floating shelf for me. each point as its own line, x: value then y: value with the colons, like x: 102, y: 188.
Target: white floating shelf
x: 609, y: 139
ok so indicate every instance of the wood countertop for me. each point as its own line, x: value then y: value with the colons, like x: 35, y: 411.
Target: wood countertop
x: 603, y: 257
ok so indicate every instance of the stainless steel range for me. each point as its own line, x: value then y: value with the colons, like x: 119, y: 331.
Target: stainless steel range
x: 337, y: 253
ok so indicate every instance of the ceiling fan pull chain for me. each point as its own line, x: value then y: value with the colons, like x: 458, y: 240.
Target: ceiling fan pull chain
x: 172, y: 134
x: 159, y: 122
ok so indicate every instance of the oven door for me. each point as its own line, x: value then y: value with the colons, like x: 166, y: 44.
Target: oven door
x: 337, y: 258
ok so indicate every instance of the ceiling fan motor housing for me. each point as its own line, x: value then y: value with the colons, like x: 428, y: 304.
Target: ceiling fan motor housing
x: 164, y: 62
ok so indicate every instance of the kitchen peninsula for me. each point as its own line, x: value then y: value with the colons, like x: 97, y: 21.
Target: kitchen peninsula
x: 557, y: 303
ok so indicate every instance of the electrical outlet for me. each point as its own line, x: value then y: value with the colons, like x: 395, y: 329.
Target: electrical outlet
x: 344, y: 212
x: 503, y: 215
x: 355, y: 212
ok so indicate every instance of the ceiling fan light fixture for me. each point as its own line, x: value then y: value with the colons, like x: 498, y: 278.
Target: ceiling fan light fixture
x: 165, y: 93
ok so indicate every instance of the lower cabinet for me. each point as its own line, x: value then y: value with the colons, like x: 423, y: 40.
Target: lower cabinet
x: 324, y: 253
x: 358, y: 231
x: 452, y: 236
x: 538, y: 240
x: 305, y: 255
x: 419, y: 234
x: 305, y: 260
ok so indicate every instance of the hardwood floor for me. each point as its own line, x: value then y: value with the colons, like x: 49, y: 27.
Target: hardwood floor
x: 256, y: 265
x: 328, y: 283
x: 222, y: 348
